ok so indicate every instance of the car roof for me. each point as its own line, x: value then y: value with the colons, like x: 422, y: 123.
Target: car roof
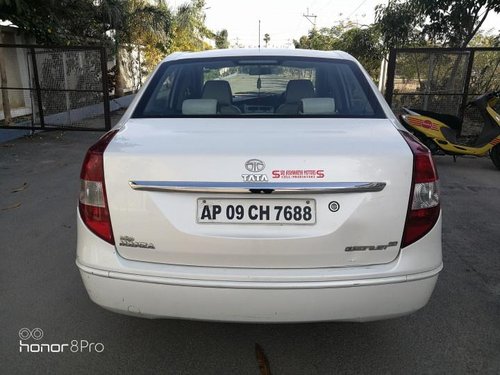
x: 253, y: 52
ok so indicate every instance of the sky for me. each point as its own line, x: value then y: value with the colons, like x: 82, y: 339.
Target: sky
x: 283, y: 20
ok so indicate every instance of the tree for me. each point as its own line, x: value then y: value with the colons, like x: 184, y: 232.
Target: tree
x: 221, y: 40
x: 484, y: 75
x: 118, y: 23
x: 70, y: 22
x: 316, y: 39
x: 398, y: 24
x: 361, y: 42
x: 134, y: 22
x: 60, y: 22
x: 189, y: 32
x: 451, y: 23
x: 267, y: 39
x: 364, y: 45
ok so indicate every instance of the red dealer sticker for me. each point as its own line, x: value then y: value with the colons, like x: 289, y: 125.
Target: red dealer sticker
x: 298, y: 173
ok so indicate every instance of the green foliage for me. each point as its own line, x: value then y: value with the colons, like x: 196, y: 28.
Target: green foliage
x: 221, y: 40
x: 364, y: 45
x: 188, y: 32
x: 361, y: 42
x: 455, y: 22
x: 316, y: 39
x: 65, y: 22
x: 267, y: 38
x: 485, y: 40
x: 54, y: 22
x: 398, y: 24
x: 135, y: 21
x: 115, y: 22
x: 451, y: 23
x: 486, y: 68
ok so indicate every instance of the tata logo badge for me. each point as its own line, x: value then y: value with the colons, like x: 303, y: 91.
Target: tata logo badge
x: 254, y: 166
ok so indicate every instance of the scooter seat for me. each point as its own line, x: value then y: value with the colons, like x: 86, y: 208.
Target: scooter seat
x: 452, y: 121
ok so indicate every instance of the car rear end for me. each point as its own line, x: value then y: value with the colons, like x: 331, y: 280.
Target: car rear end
x: 257, y: 217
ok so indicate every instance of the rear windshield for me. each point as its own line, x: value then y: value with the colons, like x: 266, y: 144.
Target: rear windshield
x: 249, y: 87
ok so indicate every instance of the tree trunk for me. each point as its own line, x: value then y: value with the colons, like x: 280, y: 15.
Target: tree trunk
x: 5, y: 93
x: 119, y: 80
x: 428, y: 85
x: 453, y: 84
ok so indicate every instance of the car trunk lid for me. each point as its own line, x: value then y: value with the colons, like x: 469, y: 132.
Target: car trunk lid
x: 162, y: 173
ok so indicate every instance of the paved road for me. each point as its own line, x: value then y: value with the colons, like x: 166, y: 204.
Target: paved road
x: 242, y: 83
x: 458, y: 332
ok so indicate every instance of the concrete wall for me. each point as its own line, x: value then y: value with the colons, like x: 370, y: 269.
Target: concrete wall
x: 16, y: 66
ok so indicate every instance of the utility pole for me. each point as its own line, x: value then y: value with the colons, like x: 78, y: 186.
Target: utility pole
x: 311, y: 18
x: 259, y: 34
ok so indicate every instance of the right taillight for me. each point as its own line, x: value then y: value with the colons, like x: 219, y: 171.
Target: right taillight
x: 423, y: 208
x: 93, y: 203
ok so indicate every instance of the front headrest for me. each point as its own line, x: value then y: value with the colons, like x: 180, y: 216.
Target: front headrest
x: 218, y: 89
x: 297, y: 89
x: 199, y: 107
x: 318, y: 106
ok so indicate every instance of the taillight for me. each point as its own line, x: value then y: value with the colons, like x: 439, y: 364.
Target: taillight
x: 423, y: 209
x: 93, y: 201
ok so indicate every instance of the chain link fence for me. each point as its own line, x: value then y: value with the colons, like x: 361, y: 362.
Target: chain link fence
x: 53, y: 87
x: 442, y: 80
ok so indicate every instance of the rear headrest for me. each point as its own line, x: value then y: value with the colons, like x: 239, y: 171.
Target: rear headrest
x: 218, y: 89
x: 297, y: 89
x: 199, y: 107
x: 318, y: 106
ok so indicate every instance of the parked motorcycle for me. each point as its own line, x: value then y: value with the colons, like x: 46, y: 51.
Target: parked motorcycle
x: 439, y: 132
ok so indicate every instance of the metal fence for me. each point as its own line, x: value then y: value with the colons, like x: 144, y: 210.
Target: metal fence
x: 54, y: 88
x: 442, y: 80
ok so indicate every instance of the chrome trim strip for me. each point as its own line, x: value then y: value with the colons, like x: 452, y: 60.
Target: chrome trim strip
x: 248, y: 187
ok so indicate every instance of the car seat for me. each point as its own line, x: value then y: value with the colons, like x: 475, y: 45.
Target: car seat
x: 221, y: 91
x: 296, y: 89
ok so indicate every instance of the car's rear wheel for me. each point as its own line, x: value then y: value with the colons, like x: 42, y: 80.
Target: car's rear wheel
x: 495, y: 156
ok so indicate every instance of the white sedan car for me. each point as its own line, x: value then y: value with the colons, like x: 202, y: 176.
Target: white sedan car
x: 259, y: 186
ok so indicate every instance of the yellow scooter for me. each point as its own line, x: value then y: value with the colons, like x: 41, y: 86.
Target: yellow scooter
x: 439, y: 132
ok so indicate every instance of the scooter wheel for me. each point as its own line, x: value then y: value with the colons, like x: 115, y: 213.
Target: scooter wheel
x: 495, y: 156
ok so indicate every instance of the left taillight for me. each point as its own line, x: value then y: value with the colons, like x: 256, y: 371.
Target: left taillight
x: 93, y: 202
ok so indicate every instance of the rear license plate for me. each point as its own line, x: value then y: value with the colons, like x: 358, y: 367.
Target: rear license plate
x: 256, y: 211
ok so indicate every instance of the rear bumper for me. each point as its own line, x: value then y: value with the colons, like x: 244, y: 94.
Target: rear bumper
x: 346, y: 300
x: 260, y: 295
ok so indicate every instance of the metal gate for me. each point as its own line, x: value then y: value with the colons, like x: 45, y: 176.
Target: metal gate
x: 54, y: 88
x: 440, y: 79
